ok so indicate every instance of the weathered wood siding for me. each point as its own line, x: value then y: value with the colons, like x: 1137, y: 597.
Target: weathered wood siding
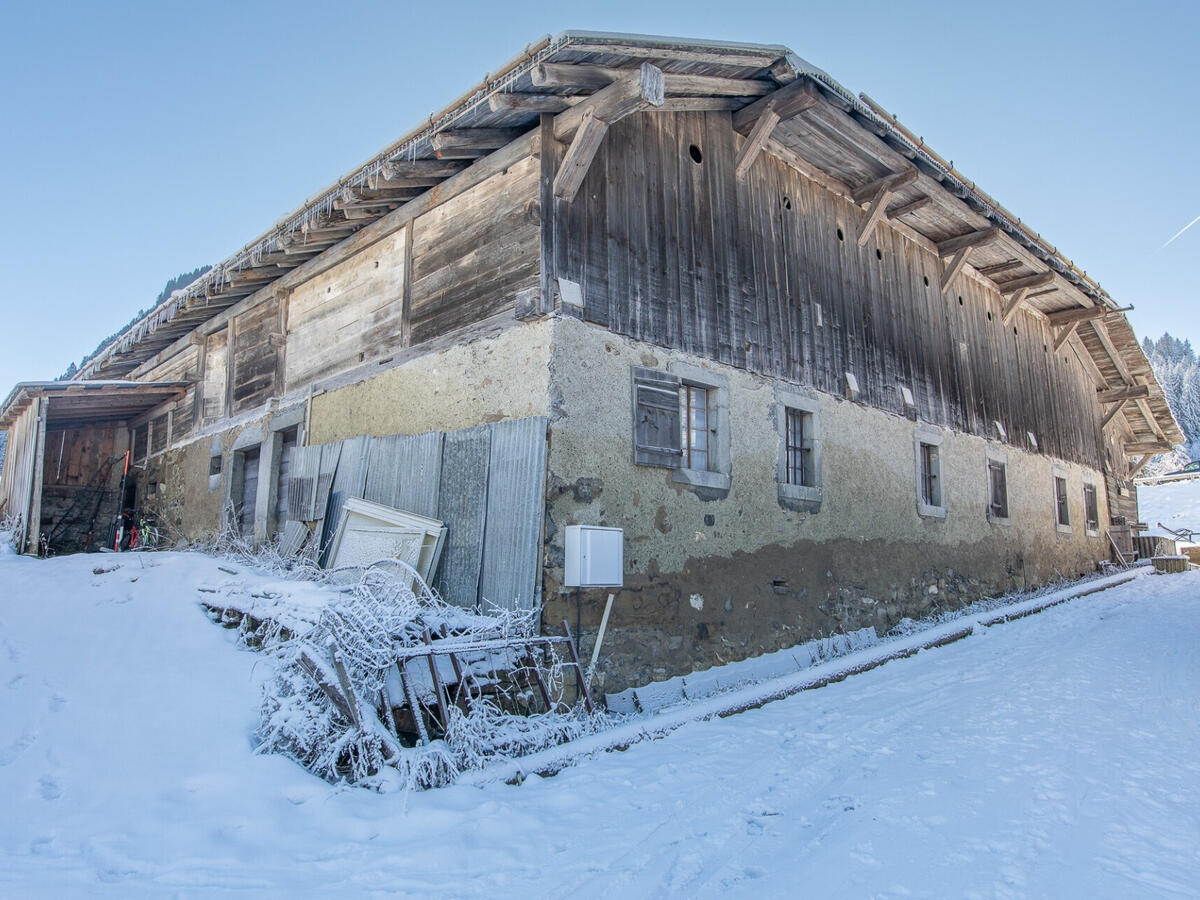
x: 677, y: 252
x: 257, y: 340
x: 216, y: 374
x: 348, y: 314
x: 183, y: 366
x: 473, y: 254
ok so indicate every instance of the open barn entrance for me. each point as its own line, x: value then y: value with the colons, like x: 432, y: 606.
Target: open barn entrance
x: 65, y: 463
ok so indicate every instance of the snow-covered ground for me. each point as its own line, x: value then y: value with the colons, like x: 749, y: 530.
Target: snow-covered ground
x: 1054, y: 756
x: 1175, y: 504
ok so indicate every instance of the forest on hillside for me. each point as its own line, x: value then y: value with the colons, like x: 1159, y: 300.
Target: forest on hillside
x: 181, y: 280
x: 1176, y: 368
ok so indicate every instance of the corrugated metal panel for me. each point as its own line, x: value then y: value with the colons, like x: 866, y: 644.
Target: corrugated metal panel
x: 330, y: 454
x: 305, y: 467
x: 380, y: 486
x: 419, y: 473
x: 515, y: 512
x: 349, y: 479
x: 462, y: 505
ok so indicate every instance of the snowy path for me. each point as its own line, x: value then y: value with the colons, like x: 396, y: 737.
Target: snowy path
x: 1058, y: 755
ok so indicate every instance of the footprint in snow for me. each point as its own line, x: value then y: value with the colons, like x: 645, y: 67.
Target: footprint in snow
x: 49, y: 787
x: 16, y: 748
x: 15, y: 681
x: 57, y: 702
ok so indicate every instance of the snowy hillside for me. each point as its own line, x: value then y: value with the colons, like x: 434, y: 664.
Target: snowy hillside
x: 1050, y: 756
x: 1175, y: 504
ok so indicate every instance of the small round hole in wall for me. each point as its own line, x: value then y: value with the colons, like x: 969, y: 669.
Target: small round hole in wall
x: 1045, y: 349
x: 960, y: 303
x: 786, y: 201
x: 1014, y: 332
x: 878, y: 254
x: 695, y: 154
x: 926, y: 280
x: 377, y: 264
x: 841, y: 237
x: 989, y: 316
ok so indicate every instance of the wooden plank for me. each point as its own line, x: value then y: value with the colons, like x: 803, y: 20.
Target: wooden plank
x: 788, y: 102
x: 956, y: 266
x: 952, y: 246
x: 1014, y: 303
x: 1067, y: 316
x: 755, y: 142
x: 1122, y: 394
x: 891, y: 183
x: 579, y: 157
x: 638, y: 89
x: 465, y: 143
x: 1028, y: 283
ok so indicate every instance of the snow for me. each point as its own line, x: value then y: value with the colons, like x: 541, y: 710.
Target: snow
x: 1175, y: 504
x: 1055, y: 755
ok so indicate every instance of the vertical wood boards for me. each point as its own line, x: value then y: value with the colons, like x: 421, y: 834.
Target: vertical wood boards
x: 212, y: 387
x: 16, y: 482
x: 474, y: 253
x: 345, y: 315
x: 671, y: 248
x: 256, y: 348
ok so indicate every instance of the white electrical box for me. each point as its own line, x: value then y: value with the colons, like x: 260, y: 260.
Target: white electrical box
x: 595, y: 556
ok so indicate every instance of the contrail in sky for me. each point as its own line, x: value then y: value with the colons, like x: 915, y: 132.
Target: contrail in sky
x: 1180, y: 231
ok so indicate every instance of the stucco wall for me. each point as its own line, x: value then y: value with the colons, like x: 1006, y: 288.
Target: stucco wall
x: 503, y: 376
x: 713, y: 580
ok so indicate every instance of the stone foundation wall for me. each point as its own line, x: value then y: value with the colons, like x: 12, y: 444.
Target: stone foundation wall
x: 713, y: 580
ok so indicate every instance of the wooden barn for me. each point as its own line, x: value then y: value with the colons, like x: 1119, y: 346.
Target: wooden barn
x: 695, y: 290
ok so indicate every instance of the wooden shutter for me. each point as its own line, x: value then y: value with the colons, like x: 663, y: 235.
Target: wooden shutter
x: 656, y: 436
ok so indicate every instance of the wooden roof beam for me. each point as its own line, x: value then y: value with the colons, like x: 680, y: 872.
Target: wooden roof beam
x: 1138, y: 466
x: 787, y: 102
x: 587, y: 123
x: 1122, y: 394
x: 468, y: 143
x: 422, y: 168
x: 912, y: 206
x: 755, y: 141
x: 1140, y: 447
x: 1062, y: 317
x: 960, y: 247
x: 579, y: 156
x: 580, y: 77
x: 878, y: 192
x: 528, y: 103
x: 1028, y: 283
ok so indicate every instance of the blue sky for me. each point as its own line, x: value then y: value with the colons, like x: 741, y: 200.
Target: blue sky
x: 143, y: 140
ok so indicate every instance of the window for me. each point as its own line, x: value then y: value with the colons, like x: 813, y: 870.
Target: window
x: 1091, y: 514
x: 693, y: 434
x: 931, y: 486
x: 798, y: 471
x: 997, y: 489
x: 1062, y: 509
x: 680, y: 422
x: 931, y: 499
x: 799, y: 449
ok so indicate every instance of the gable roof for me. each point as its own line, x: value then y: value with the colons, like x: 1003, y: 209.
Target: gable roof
x: 847, y: 143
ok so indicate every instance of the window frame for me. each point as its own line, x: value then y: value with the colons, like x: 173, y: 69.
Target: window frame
x: 1091, y: 517
x: 933, y: 437
x: 997, y: 459
x: 716, y: 479
x: 799, y: 497
x: 1062, y: 500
